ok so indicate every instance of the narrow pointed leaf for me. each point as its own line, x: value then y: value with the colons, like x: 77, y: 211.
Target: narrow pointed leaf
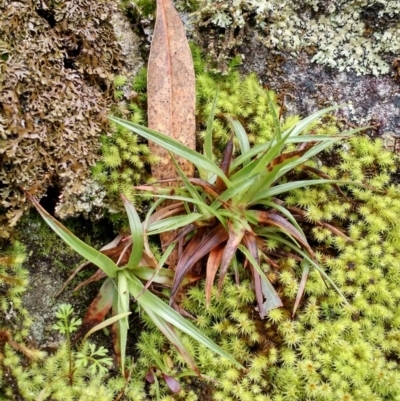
x: 276, y: 220
x: 250, y: 242
x: 105, y: 323
x: 136, y: 231
x: 301, y: 125
x: 213, y: 262
x: 302, y: 286
x: 180, y: 236
x: 263, y: 147
x: 171, y: 84
x: 283, y: 211
x: 225, y: 165
x: 301, y: 215
x: 122, y: 307
x: 310, y: 153
x: 99, y: 275
x: 200, y: 161
x: 173, y: 223
x: 207, y: 147
x: 115, y: 330
x: 325, y: 176
x: 290, y: 186
x: 86, y: 251
x: 236, y: 232
x: 166, y: 211
x: 173, y: 338
x: 275, y: 117
x: 98, y: 309
x: 157, y: 190
x: 272, y: 298
x: 71, y: 277
x: 206, y: 186
x: 192, y: 254
x: 241, y: 135
x: 189, y: 251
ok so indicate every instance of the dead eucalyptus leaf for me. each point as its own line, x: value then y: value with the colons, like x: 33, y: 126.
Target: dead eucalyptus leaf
x: 171, y: 89
x: 171, y: 95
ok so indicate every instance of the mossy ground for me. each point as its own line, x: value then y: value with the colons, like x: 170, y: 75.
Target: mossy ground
x: 327, y: 352
x: 49, y: 263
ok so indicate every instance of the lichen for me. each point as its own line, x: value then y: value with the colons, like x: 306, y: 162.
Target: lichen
x: 56, y: 66
x: 348, y: 35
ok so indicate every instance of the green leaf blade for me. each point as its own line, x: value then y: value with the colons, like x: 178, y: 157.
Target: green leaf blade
x: 201, y: 162
x: 136, y: 232
x: 86, y: 251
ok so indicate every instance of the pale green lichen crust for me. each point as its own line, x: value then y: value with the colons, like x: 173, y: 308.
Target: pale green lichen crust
x: 353, y: 35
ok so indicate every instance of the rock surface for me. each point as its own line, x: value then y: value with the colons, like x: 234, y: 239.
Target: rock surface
x: 307, y: 87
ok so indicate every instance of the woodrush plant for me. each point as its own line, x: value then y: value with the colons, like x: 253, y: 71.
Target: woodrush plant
x: 234, y: 206
x: 329, y: 352
x: 122, y: 282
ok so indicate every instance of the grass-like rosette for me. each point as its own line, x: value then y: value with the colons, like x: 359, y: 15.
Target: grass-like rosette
x: 123, y: 281
x: 234, y: 205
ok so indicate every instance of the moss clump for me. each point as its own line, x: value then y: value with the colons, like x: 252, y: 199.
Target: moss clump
x: 125, y: 157
x: 327, y: 351
x: 13, y: 283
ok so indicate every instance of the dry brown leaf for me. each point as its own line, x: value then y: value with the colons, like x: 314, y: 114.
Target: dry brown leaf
x: 171, y: 88
x: 171, y: 93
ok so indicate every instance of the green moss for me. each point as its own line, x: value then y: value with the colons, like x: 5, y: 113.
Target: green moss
x: 13, y: 283
x: 126, y: 159
x: 328, y: 351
